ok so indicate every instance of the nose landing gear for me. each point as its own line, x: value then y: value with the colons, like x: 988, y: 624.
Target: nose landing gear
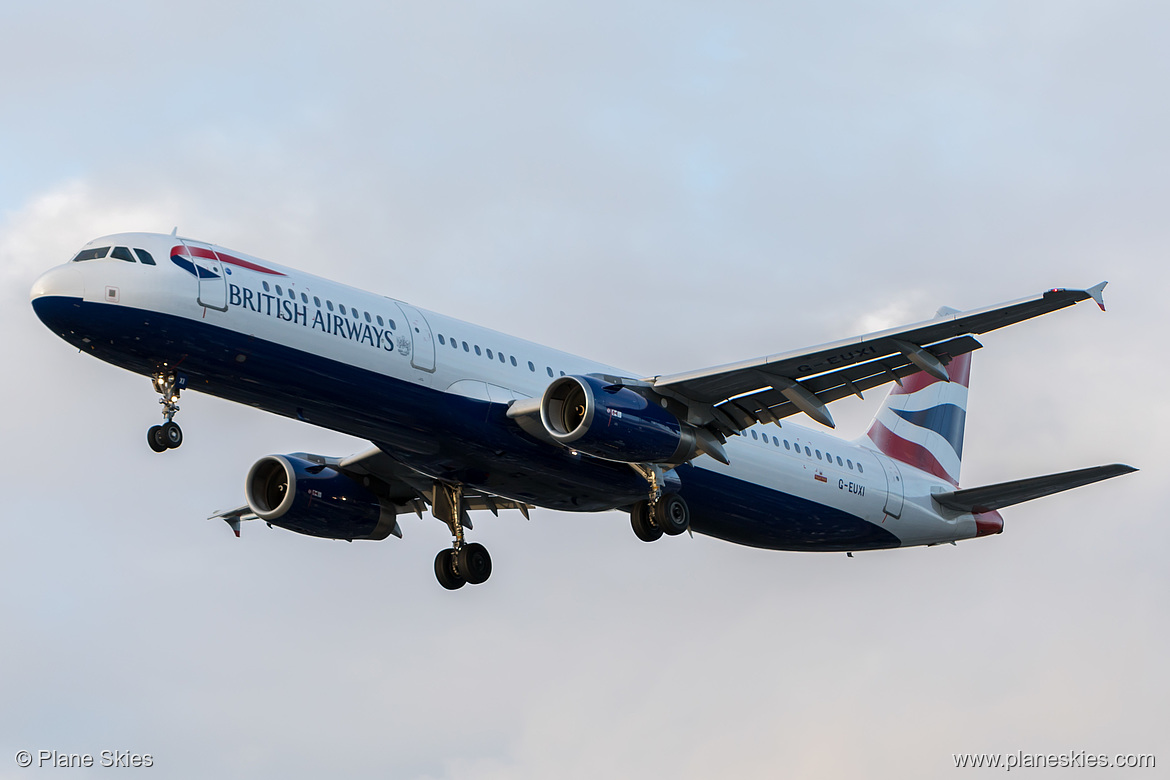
x: 168, y: 435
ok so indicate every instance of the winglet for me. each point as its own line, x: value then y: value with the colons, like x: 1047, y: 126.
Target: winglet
x: 1095, y: 293
x: 233, y: 517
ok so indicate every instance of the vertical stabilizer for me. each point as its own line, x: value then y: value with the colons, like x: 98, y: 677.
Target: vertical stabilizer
x: 921, y: 421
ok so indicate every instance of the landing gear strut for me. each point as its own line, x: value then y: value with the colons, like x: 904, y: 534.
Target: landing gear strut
x: 465, y: 562
x: 168, y: 435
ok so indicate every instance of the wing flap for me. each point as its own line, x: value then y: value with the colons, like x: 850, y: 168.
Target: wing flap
x: 411, y: 491
x: 991, y: 497
x: 764, y: 404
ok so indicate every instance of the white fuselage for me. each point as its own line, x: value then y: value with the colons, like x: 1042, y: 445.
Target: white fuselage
x: 254, y: 302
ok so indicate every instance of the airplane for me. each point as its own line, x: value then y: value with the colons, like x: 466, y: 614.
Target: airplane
x: 462, y: 418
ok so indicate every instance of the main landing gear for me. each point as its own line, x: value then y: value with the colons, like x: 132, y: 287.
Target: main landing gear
x: 465, y: 562
x: 661, y: 513
x: 168, y: 435
x: 668, y: 515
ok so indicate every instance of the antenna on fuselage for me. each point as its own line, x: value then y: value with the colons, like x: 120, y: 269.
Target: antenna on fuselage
x: 174, y: 231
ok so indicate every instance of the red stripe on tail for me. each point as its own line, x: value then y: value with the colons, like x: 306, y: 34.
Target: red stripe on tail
x: 907, y: 452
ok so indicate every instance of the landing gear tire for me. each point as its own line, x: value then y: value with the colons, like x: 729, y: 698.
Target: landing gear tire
x: 445, y: 571
x: 644, y: 526
x: 155, y: 439
x: 474, y: 563
x: 168, y: 435
x: 171, y: 434
x: 672, y: 515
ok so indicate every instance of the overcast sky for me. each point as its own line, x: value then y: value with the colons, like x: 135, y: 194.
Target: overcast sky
x: 656, y: 185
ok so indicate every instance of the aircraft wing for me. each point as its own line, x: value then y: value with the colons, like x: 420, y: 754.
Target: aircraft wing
x: 729, y: 398
x: 393, y: 483
x: 985, y: 499
x: 411, y: 491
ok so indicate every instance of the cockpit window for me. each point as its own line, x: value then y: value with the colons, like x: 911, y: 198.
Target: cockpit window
x: 122, y: 253
x: 91, y: 254
x: 144, y: 256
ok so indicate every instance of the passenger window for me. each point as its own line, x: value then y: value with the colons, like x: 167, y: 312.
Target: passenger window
x: 477, y: 350
x: 368, y: 319
x: 549, y: 370
x: 818, y: 454
x: 501, y: 354
x: 859, y: 468
x: 490, y: 355
x: 91, y: 254
x: 354, y: 313
x: 266, y: 288
x: 513, y: 360
x: 454, y: 344
x: 380, y: 323
x: 849, y: 463
x: 775, y: 442
x: 340, y: 306
x: 392, y: 325
x: 304, y: 299
x: 279, y: 291
x: 531, y: 367
x: 328, y: 303
x: 562, y: 373
x: 754, y: 435
x: 786, y: 445
x: 442, y: 341
x: 122, y: 253
x: 144, y: 256
x: 316, y: 301
x: 292, y: 294
x: 465, y: 347
x: 808, y: 452
x: 839, y: 463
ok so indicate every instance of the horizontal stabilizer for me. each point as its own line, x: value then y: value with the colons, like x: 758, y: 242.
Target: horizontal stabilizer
x: 990, y: 497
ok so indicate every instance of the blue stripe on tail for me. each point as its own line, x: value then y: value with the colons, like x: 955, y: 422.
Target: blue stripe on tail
x: 947, y: 420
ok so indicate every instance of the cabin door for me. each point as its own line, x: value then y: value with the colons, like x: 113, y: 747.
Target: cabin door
x: 422, y: 355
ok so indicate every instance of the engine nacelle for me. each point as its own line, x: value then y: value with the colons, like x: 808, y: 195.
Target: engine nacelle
x: 613, y: 422
x: 314, y: 499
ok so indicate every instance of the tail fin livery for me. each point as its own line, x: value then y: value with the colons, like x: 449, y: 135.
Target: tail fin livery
x: 921, y: 422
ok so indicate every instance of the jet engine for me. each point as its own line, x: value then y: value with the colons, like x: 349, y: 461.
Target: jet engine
x: 314, y: 499
x: 614, y: 422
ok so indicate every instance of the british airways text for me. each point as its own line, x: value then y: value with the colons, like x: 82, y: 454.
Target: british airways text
x: 327, y: 322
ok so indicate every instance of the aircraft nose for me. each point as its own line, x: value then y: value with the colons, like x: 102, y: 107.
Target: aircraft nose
x: 64, y: 281
x: 56, y: 296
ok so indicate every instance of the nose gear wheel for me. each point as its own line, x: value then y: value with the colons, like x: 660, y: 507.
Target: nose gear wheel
x: 168, y: 435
